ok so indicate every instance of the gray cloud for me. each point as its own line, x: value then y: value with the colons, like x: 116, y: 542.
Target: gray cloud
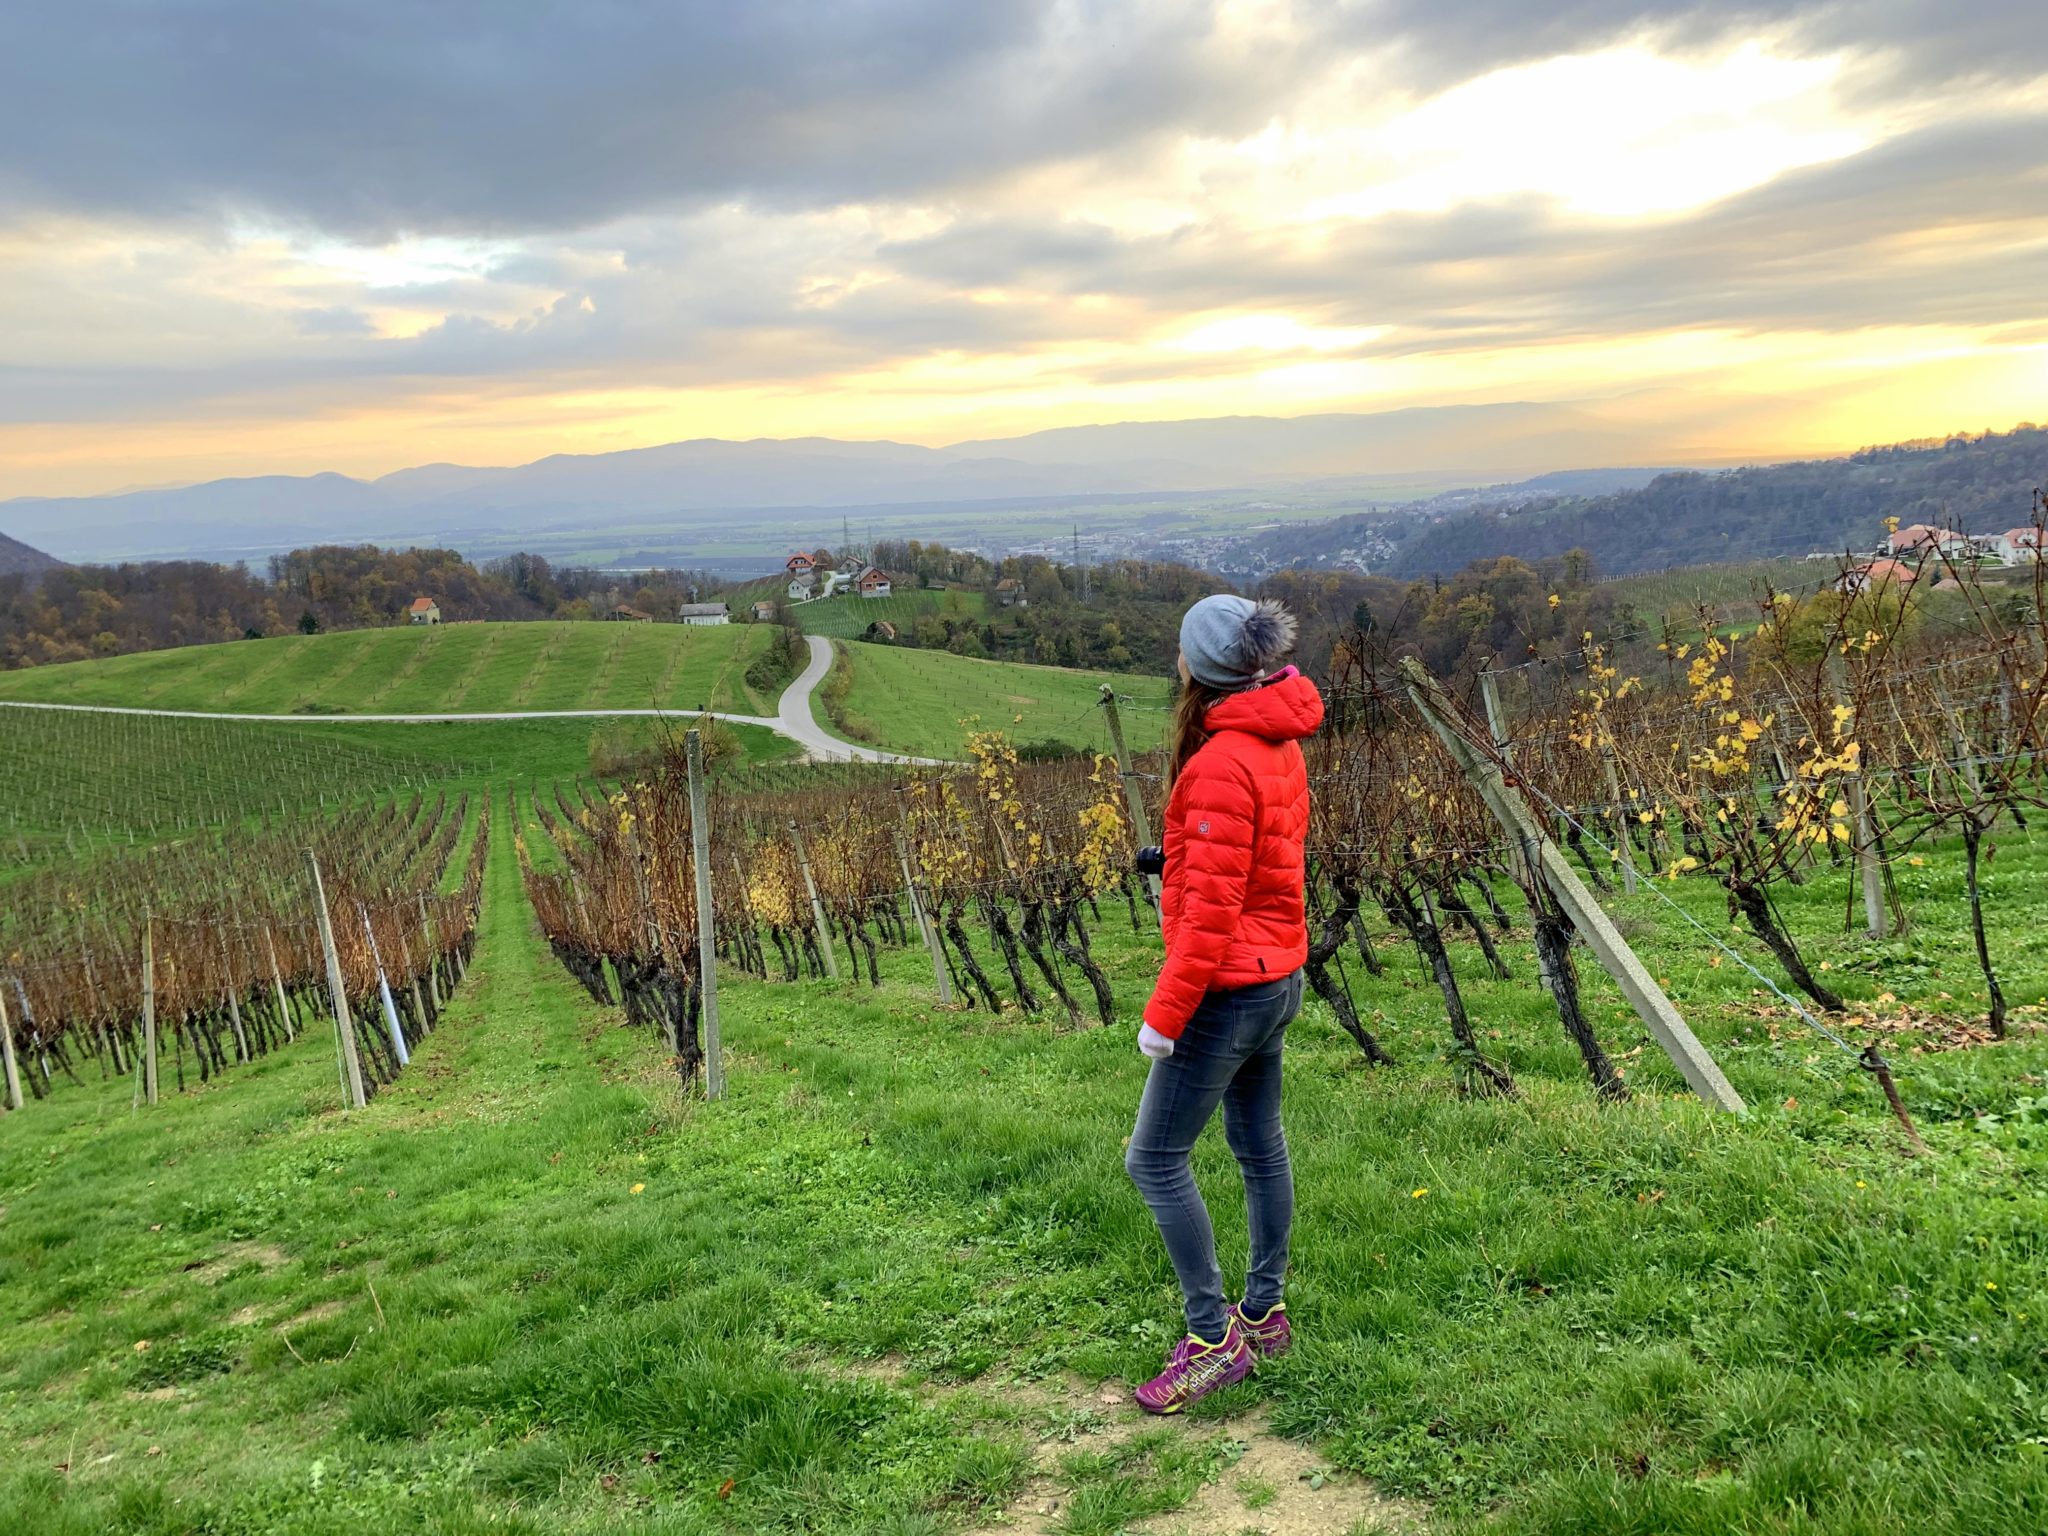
x: 368, y: 117
x: 371, y: 117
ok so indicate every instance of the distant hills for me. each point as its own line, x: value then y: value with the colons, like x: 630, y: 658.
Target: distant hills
x: 1634, y: 520
x: 708, y: 480
x: 17, y: 559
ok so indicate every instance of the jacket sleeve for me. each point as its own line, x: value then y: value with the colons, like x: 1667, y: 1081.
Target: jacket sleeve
x: 1216, y: 820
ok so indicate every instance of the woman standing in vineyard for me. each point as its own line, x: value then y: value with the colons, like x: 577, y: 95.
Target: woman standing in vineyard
x: 1236, y: 939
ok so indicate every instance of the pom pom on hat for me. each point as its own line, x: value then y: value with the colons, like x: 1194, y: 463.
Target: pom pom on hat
x: 1231, y: 642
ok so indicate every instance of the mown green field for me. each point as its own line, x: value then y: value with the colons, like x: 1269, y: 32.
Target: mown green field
x: 897, y: 1281
x: 925, y: 702
x: 455, y: 668
x: 848, y: 618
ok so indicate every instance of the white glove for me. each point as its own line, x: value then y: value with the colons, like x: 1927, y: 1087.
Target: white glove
x: 1153, y: 1043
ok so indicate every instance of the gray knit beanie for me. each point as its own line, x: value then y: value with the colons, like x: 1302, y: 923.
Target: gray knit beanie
x: 1230, y: 641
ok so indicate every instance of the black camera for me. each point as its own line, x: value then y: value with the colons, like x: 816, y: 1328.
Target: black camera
x: 1151, y: 861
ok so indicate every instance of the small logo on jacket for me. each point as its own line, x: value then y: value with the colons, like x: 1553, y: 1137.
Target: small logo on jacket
x: 1203, y: 828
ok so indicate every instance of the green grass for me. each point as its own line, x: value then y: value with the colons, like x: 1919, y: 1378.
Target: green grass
x: 455, y: 668
x: 924, y: 702
x: 453, y: 1310
x: 848, y: 618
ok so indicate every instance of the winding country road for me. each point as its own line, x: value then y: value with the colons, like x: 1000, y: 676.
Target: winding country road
x: 792, y: 719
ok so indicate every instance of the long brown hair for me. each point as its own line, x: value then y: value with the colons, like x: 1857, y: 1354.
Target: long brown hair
x: 1188, y: 734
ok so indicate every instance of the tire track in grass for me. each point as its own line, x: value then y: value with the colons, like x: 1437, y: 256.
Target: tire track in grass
x: 195, y: 678
x: 331, y: 684
x: 421, y: 653
x: 473, y: 673
x: 280, y: 658
x: 523, y: 694
x: 600, y: 682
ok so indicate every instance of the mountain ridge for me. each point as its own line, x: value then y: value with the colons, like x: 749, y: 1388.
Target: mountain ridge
x: 702, y: 477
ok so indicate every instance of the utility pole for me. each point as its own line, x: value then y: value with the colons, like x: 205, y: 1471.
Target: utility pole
x: 707, y: 932
x: 1141, y: 824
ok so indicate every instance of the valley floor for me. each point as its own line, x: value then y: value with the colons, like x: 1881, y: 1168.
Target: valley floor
x: 896, y: 1282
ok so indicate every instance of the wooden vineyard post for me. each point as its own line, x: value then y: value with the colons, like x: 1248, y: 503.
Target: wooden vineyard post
x: 1868, y: 873
x: 803, y: 862
x: 1547, y: 859
x: 384, y: 990
x: 7, y: 1060
x: 337, y: 987
x: 707, y: 930
x: 940, y: 975
x: 148, y: 1006
x: 1134, y: 798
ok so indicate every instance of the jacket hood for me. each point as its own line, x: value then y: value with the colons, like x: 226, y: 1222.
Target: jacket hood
x: 1287, y: 708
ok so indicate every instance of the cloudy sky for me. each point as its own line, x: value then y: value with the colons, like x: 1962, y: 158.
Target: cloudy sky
x: 239, y: 236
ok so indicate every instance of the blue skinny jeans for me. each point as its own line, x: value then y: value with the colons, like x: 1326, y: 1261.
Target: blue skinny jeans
x: 1229, y: 1054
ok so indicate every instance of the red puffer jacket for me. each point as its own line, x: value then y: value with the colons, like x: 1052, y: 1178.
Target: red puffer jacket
x: 1235, y: 825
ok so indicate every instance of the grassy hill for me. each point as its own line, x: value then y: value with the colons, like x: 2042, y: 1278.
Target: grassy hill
x: 924, y: 702
x: 457, y: 668
x: 848, y: 618
x: 897, y: 1281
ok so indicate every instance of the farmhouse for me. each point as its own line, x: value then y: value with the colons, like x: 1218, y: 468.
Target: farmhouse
x: 2016, y: 546
x: 874, y: 582
x: 764, y: 611
x: 625, y: 613
x: 799, y: 564
x: 801, y: 586
x: 424, y: 610
x: 703, y: 613
x: 1010, y: 593
x: 1919, y: 539
x: 881, y: 629
x: 1876, y: 573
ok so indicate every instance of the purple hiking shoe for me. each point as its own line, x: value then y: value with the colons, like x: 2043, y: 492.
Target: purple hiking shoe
x: 1197, y: 1368
x: 1268, y: 1335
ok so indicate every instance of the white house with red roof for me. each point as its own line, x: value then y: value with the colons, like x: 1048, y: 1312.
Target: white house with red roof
x: 424, y: 610
x: 2017, y: 546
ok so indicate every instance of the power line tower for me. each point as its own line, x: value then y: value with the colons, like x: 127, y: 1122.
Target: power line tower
x: 1078, y: 563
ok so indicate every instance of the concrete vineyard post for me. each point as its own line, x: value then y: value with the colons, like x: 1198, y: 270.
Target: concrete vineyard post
x: 7, y: 1061
x: 384, y: 990
x: 803, y: 862
x: 284, y: 1012
x: 1622, y: 846
x: 1134, y: 798
x: 234, y: 1004
x: 1868, y: 872
x: 433, y: 954
x: 337, y: 987
x: 940, y: 975
x: 1547, y: 859
x: 148, y: 1006
x: 707, y: 929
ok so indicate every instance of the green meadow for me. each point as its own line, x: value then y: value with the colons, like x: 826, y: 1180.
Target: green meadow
x: 925, y: 702
x: 449, y: 668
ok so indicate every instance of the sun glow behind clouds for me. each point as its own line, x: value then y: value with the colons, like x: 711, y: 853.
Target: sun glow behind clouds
x: 1620, y: 134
